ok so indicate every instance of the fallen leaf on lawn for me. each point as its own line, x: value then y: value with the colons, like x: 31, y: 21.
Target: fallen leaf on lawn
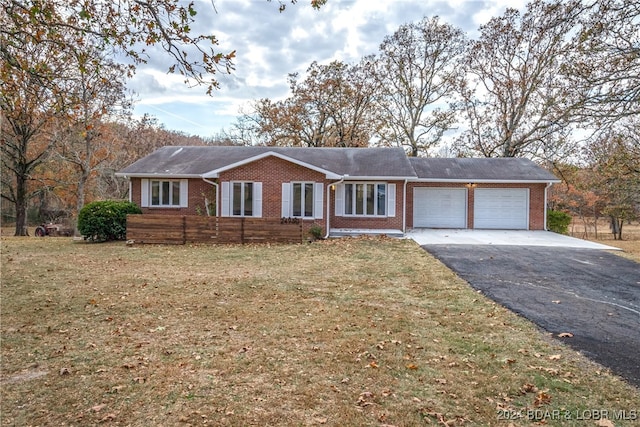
x: 412, y: 366
x: 440, y: 381
x: 373, y: 364
x: 320, y: 420
x: 565, y: 335
x: 98, y: 408
x: 117, y: 388
x: 365, y: 398
x: 108, y: 417
x: 555, y: 357
x: 542, y: 398
x: 605, y: 423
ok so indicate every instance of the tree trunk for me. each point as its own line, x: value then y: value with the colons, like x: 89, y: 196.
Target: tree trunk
x: 21, y: 206
x: 616, y: 228
x: 620, y: 223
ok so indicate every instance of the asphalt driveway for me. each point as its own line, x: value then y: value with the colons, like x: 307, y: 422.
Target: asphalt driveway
x: 590, y: 293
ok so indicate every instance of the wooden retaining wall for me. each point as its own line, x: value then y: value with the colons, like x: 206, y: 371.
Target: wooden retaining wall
x: 182, y: 229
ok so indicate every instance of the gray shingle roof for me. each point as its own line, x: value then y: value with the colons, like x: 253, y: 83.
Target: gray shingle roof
x: 198, y: 161
x: 187, y: 161
x: 480, y: 170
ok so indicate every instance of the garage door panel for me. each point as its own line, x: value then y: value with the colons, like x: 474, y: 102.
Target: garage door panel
x: 440, y: 207
x: 501, y: 208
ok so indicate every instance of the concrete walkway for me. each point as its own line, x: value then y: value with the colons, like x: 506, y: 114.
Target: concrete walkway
x: 426, y: 236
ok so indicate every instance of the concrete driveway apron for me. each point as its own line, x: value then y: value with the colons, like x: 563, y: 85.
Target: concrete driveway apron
x: 590, y: 293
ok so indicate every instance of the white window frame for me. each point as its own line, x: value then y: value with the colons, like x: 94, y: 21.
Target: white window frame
x: 147, y: 199
x: 228, y: 199
x: 342, y: 199
x: 317, y: 198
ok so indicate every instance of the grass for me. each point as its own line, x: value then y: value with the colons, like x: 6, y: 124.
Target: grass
x: 338, y: 332
x: 630, y: 244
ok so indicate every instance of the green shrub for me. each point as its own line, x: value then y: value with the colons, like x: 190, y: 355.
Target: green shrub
x: 316, y: 232
x: 558, y: 221
x: 105, y: 220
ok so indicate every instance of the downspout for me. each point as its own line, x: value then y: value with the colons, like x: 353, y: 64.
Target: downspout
x: 340, y: 181
x: 215, y: 184
x: 404, y: 207
x: 549, y: 184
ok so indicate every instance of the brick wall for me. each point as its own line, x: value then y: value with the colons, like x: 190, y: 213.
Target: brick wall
x: 536, y: 200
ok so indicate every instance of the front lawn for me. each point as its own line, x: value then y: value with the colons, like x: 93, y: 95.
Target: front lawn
x: 339, y: 332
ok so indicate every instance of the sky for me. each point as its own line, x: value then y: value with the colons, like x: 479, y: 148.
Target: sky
x: 270, y: 45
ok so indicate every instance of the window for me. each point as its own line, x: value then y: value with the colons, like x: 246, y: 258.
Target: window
x: 365, y: 199
x: 242, y: 199
x: 302, y: 199
x: 165, y: 193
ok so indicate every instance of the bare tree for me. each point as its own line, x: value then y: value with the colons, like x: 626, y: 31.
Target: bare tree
x: 331, y: 107
x: 517, y: 99
x: 606, y: 62
x: 417, y: 70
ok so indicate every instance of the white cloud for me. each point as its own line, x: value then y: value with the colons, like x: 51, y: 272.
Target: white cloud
x: 270, y: 45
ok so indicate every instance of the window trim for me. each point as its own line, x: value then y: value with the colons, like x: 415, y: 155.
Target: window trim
x: 356, y: 207
x: 303, y: 200
x: 232, y: 201
x: 147, y: 193
x: 317, y: 200
x: 343, y: 195
x: 227, y: 199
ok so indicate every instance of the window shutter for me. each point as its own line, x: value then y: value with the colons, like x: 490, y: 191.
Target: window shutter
x: 144, y: 193
x: 391, y: 200
x: 340, y: 200
x: 286, y: 200
x: 225, y: 202
x: 318, y: 202
x: 257, y: 199
x: 184, y: 193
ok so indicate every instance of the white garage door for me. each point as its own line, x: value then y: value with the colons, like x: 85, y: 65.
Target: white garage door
x: 440, y: 207
x: 501, y: 208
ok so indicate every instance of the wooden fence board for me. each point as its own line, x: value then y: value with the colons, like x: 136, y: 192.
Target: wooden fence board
x: 148, y: 228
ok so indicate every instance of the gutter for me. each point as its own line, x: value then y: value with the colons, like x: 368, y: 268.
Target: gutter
x: 215, y: 184
x: 340, y: 181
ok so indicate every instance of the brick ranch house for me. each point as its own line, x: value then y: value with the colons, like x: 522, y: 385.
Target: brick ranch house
x: 342, y: 190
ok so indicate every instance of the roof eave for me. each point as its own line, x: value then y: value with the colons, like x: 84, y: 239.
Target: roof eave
x: 489, y: 181
x: 156, y: 175
x: 378, y: 178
